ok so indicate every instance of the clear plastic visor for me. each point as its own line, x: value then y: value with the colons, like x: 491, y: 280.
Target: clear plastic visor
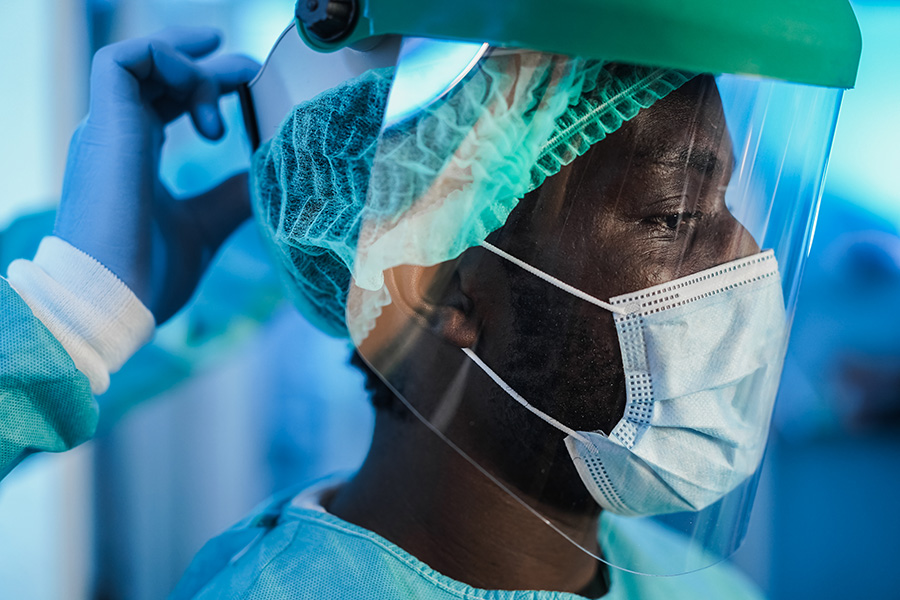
x: 294, y: 73
x: 580, y: 275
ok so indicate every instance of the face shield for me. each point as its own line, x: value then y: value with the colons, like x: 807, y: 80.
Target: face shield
x: 578, y: 273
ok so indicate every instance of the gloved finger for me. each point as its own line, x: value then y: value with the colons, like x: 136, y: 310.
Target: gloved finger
x: 218, y: 212
x: 205, y: 110
x: 163, y: 71
x: 173, y: 74
x: 195, y: 42
x: 178, y: 72
x: 140, y: 58
x: 137, y: 71
x: 221, y: 75
x: 231, y: 71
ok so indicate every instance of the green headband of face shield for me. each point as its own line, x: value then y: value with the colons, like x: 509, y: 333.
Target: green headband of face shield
x: 814, y: 42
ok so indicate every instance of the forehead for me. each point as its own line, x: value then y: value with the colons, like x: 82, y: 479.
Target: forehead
x: 677, y: 148
x: 683, y: 134
x: 689, y: 120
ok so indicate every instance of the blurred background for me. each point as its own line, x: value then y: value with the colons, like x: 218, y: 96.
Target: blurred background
x: 238, y: 397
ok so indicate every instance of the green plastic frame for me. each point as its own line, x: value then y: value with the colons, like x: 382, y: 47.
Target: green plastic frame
x: 814, y: 42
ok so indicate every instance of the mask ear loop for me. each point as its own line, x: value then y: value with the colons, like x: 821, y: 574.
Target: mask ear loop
x: 515, y: 395
x: 566, y: 288
x: 554, y: 281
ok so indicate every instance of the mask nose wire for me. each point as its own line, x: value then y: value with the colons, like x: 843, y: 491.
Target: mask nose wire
x: 515, y: 395
x: 554, y: 281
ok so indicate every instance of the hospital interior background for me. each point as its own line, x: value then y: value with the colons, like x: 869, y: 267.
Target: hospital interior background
x: 226, y: 407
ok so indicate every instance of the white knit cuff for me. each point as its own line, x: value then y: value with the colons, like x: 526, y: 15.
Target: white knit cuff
x: 96, y: 317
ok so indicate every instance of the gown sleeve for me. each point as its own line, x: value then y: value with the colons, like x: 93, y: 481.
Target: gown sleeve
x: 45, y: 402
x: 66, y: 323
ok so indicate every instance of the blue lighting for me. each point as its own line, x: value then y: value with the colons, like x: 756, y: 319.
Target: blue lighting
x: 865, y: 163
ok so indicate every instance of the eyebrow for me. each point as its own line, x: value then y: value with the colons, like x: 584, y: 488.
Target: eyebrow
x: 703, y: 160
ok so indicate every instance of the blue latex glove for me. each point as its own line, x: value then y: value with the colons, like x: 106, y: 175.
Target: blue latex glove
x: 114, y: 206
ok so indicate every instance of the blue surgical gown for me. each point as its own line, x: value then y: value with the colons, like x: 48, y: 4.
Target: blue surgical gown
x: 291, y: 550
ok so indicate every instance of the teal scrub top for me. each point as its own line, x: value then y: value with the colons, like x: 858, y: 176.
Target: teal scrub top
x: 291, y: 551
x: 45, y: 402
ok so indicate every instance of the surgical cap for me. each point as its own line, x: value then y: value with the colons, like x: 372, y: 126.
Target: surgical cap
x: 340, y: 201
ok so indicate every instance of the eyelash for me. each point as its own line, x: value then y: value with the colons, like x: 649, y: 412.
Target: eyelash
x: 672, y: 222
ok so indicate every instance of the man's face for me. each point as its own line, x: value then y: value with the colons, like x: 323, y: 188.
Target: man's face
x: 642, y: 207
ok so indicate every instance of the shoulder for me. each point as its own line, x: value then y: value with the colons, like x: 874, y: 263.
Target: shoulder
x: 311, y: 554
x: 330, y: 558
x: 305, y: 552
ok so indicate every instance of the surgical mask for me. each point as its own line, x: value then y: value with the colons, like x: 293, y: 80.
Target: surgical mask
x: 701, y: 357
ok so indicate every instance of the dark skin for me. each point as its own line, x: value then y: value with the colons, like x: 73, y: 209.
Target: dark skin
x: 642, y: 207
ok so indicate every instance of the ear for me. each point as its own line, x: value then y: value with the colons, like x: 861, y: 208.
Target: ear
x: 433, y: 297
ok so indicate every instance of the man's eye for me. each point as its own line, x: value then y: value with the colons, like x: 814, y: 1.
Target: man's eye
x: 674, y: 220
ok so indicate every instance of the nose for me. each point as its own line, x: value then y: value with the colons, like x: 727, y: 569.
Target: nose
x: 743, y: 245
x: 724, y: 240
x: 733, y: 239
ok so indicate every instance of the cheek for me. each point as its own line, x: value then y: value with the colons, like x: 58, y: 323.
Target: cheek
x: 636, y: 259
x: 719, y: 242
x: 627, y: 259
x: 561, y: 353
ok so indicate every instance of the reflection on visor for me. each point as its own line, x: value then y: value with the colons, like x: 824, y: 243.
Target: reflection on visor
x: 295, y: 73
x: 427, y: 70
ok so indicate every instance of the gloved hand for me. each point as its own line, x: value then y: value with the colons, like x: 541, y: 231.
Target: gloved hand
x: 114, y: 206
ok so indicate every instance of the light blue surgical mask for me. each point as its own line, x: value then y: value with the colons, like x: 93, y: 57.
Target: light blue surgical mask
x: 701, y: 357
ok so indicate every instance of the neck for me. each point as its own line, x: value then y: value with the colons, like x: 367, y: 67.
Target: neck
x: 419, y: 493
